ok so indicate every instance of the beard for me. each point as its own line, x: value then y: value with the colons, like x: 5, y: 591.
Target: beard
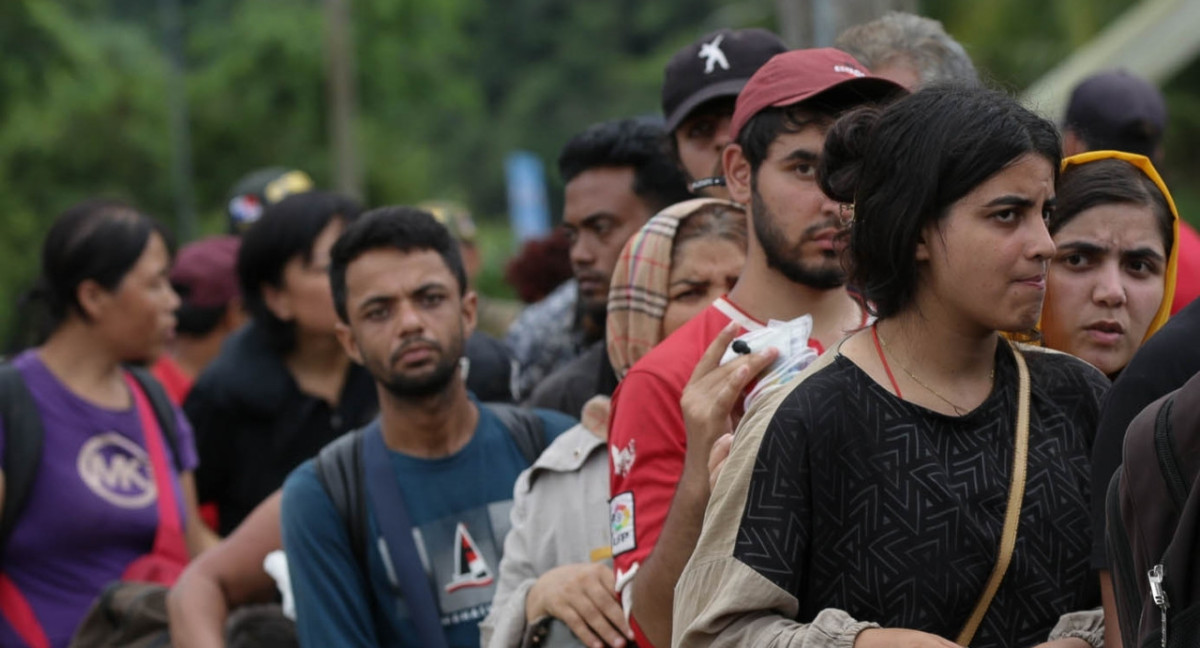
x: 788, y: 258
x: 421, y: 386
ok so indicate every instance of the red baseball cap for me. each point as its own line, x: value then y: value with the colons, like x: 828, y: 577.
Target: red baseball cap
x: 205, y: 272
x: 798, y: 75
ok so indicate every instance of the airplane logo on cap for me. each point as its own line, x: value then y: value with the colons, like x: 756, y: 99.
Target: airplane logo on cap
x: 712, y: 55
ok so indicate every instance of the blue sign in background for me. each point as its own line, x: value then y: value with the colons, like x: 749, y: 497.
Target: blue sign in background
x: 528, y: 211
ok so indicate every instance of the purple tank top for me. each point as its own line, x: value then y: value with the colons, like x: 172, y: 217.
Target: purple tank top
x: 92, y: 509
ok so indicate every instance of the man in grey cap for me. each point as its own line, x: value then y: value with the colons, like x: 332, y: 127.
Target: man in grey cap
x: 700, y: 85
x: 911, y: 50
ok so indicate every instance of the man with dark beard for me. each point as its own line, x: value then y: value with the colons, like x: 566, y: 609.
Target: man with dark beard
x: 401, y: 294
x: 659, y: 480
x: 617, y: 175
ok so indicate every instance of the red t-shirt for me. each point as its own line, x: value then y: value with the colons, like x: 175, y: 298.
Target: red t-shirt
x: 1187, y: 277
x: 177, y: 383
x: 647, y: 439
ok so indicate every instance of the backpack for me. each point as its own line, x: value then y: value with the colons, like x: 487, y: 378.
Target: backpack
x: 24, y: 437
x: 1153, y: 527
x: 126, y: 615
x: 339, y: 468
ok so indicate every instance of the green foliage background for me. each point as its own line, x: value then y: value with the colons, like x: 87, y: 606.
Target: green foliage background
x: 446, y: 88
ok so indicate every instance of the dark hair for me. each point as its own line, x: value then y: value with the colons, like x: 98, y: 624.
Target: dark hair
x: 98, y: 240
x: 903, y: 167
x: 542, y: 265
x: 714, y: 219
x: 639, y: 143
x: 756, y: 135
x: 1104, y: 182
x: 406, y: 229
x: 287, y: 229
x: 260, y: 626
x: 198, y: 321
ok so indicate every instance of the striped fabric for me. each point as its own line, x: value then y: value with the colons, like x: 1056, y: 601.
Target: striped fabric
x: 638, y: 294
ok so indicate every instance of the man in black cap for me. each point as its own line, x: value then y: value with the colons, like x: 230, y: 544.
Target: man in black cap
x: 260, y: 189
x: 1119, y: 111
x: 700, y: 85
x: 1116, y: 111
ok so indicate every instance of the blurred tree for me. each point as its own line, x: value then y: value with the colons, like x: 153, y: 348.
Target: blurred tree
x: 446, y: 88
x: 80, y: 114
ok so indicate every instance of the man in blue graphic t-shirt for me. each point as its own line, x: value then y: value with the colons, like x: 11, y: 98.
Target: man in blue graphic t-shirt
x: 400, y: 291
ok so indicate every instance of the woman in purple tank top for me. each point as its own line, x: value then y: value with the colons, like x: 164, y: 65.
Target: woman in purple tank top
x: 93, y: 505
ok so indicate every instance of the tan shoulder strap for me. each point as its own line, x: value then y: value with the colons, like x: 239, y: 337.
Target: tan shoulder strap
x: 1012, y: 514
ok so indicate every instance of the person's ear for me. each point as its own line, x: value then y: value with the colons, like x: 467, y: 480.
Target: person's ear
x: 346, y: 337
x: 737, y: 173
x: 1073, y: 144
x: 922, y: 253
x: 234, y: 317
x: 470, y: 311
x: 278, y: 301
x: 93, y: 298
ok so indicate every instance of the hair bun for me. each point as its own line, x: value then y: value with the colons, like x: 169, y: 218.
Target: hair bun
x: 845, y: 149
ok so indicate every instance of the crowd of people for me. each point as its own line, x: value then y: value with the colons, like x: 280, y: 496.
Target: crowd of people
x: 846, y: 357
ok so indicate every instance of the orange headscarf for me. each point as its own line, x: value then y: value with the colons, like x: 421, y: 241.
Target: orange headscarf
x: 1143, y: 164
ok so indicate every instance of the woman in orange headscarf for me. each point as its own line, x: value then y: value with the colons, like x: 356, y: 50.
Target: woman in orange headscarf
x: 1112, y: 279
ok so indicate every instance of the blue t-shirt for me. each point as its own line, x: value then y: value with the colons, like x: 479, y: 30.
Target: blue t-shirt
x: 460, y: 507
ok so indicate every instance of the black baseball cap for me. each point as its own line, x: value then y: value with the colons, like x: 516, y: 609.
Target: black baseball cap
x: 717, y: 65
x: 260, y: 189
x: 1119, y: 111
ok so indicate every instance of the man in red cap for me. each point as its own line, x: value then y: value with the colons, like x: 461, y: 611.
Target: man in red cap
x: 205, y: 276
x: 659, y: 474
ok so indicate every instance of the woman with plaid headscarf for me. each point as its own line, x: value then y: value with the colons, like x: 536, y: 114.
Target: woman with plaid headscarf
x: 677, y: 264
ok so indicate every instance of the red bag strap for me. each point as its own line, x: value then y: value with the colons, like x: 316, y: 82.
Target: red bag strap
x: 169, y: 539
x: 19, y: 614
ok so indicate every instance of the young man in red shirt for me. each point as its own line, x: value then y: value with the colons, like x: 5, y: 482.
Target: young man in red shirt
x: 659, y: 476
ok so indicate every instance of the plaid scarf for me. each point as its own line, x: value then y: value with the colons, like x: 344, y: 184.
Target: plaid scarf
x: 638, y: 297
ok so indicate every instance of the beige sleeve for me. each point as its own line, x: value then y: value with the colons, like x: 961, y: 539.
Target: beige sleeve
x: 1086, y: 624
x: 742, y: 608
x: 719, y: 601
x: 505, y: 624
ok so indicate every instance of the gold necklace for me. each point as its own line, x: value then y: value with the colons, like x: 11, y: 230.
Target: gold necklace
x: 957, y: 410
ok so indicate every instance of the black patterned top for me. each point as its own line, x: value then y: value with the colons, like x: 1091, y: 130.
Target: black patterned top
x: 870, y: 504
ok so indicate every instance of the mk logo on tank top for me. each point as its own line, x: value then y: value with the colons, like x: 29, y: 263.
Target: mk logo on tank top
x: 117, y: 470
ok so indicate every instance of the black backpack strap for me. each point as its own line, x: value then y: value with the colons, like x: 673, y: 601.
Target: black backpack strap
x: 528, y: 430
x: 1168, y: 457
x: 1120, y: 560
x: 164, y: 410
x: 23, y: 437
x: 339, y: 469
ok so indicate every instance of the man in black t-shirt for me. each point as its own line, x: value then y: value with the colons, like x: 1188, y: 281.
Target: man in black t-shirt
x: 1164, y: 363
